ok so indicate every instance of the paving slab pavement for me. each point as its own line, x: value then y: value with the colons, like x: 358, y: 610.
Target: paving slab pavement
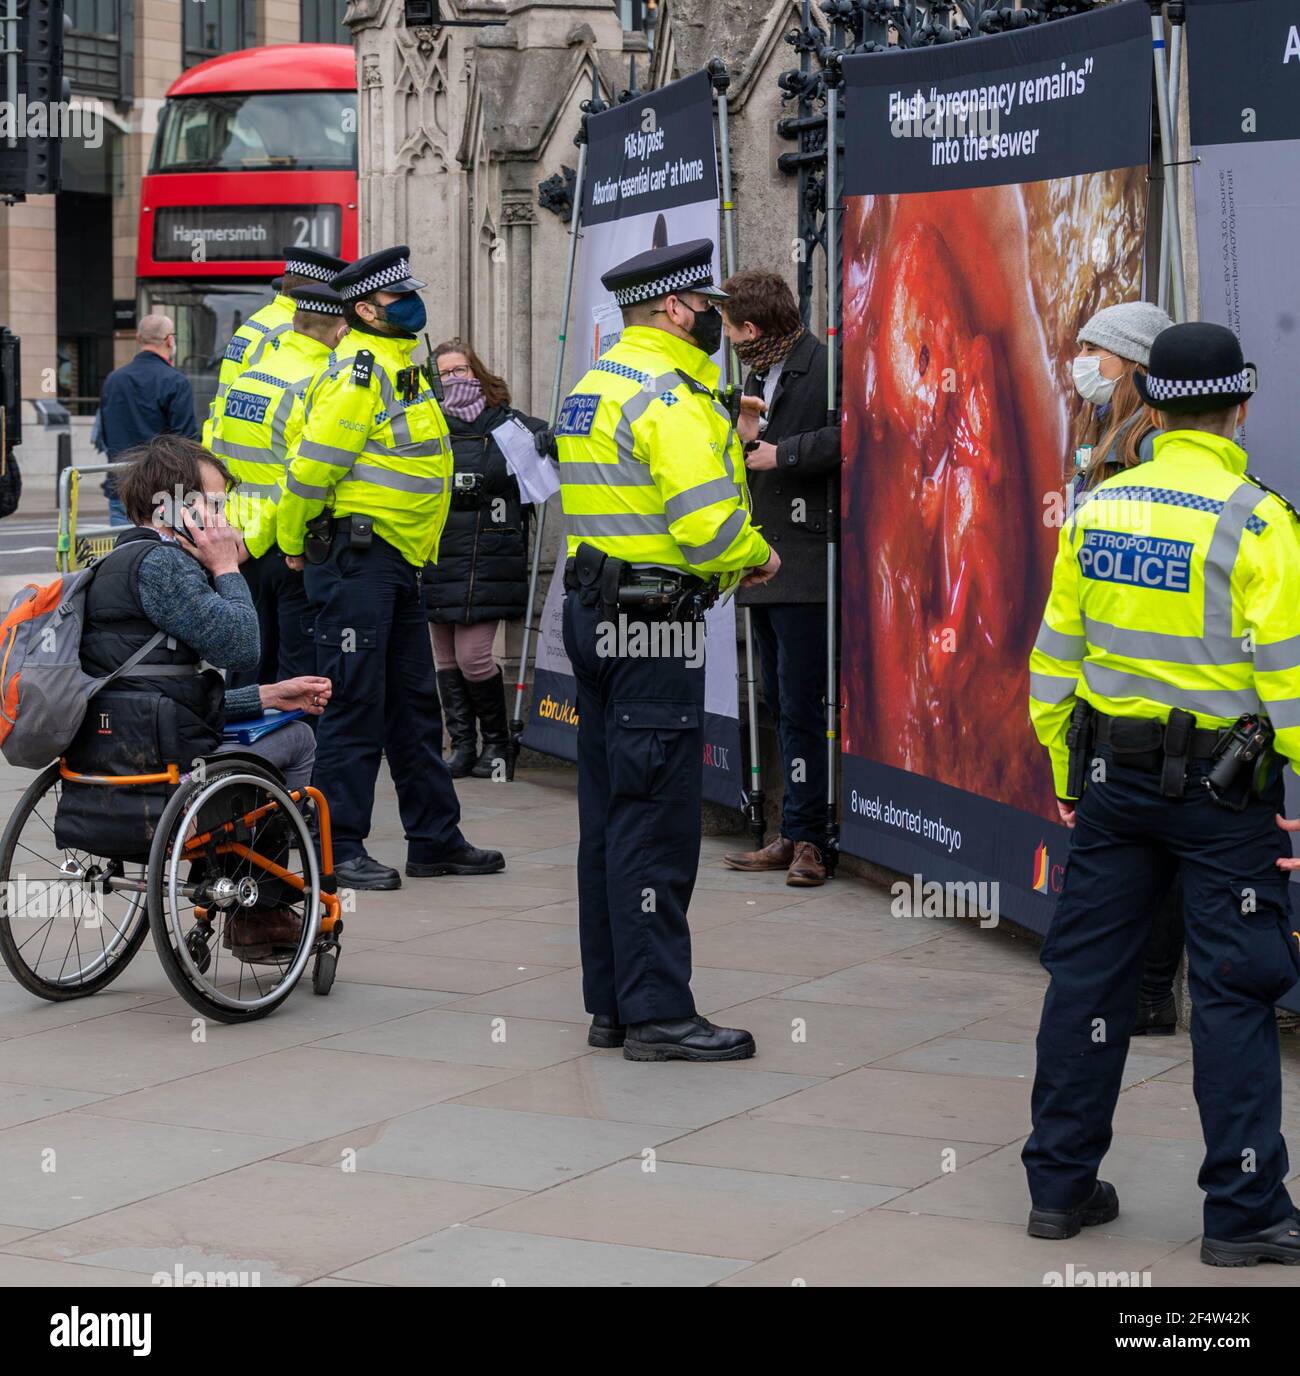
x: 440, y: 1120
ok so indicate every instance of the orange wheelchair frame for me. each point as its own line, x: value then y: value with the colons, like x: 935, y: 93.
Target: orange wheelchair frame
x: 331, y: 915
x: 182, y: 912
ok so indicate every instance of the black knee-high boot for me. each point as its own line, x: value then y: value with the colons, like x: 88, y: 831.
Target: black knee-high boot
x: 458, y: 719
x: 489, y: 698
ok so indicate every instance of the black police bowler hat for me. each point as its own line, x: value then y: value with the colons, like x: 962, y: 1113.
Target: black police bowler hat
x: 310, y: 262
x: 319, y: 298
x: 664, y: 272
x: 1196, y: 367
x: 387, y: 270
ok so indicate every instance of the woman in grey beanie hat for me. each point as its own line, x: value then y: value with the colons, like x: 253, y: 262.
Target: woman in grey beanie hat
x: 1116, y: 434
x: 1114, y: 430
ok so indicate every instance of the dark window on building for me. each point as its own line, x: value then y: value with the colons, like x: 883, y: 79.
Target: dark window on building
x: 213, y: 27
x: 98, y: 46
x: 322, y: 22
x: 637, y: 15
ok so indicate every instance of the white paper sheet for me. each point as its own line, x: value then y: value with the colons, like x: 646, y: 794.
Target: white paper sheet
x: 535, y: 474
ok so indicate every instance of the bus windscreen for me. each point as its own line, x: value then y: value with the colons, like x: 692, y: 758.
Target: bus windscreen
x: 261, y: 132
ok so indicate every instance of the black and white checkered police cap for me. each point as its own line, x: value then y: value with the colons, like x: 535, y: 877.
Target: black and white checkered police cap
x: 1196, y: 366
x: 319, y: 299
x: 387, y: 270
x: 664, y: 271
x: 309, y: 262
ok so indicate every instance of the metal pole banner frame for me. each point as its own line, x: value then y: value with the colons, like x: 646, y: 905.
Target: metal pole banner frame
x: 591, y: 106
x: 754, y: 798
x: 651, y: 178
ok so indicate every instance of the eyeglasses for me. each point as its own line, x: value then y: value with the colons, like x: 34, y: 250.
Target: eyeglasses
x: 461, y: 370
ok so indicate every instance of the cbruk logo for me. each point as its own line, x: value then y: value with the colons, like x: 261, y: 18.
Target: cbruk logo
x: 1047, y: 876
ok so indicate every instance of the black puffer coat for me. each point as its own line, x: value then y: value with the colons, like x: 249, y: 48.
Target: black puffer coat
x: 482, y: 568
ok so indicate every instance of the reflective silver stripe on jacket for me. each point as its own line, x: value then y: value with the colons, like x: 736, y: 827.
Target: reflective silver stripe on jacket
x: 269, y: 491
x: 1052, y: 688
x: 620, y: 523
x: 260, y: 346
x: 1278, y: 656
x: 385, y: 477
x: 283, y: 410
x: 697, y: 498
x: 1225, y: 702
x: 327, y: 453
x: 721, y: 542
x: 1059, y: 645
x: 622, y: 473
x: 1163, y: 647
x: 419, y: 449
x: 242, y: 453
x: 308, y: 491
x: 1282, y: 712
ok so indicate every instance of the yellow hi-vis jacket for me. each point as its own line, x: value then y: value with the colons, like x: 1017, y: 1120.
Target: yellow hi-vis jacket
x: 1176, y: 584
x: 260, y: 332
x: 256, y: 426
x: 365, y: 451
x: 651, y: 469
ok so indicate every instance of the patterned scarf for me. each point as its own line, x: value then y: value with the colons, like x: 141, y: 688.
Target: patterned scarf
x: 768, y: 349
x: 463, y: 398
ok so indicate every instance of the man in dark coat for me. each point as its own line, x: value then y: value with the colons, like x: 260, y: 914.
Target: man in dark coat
x: 143, y: 399
x: 790, y: 467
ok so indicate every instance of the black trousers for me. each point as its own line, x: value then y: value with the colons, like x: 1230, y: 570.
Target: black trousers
x: 792, y: 654
x: 372, y: 643
x: 1164, y: 947
x: 283, y: 621
x: 640, y: 776
x: 1243, y: 955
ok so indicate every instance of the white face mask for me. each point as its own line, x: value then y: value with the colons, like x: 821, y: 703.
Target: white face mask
x: 1088, y: 381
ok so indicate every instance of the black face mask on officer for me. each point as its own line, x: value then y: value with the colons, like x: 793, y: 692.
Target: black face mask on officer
x: 706, y: 328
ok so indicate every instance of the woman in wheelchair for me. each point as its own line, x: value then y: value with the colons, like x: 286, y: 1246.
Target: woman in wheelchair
x: 174, y: 578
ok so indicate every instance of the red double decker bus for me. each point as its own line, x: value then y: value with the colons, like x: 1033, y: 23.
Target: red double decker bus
x: 254, y: 150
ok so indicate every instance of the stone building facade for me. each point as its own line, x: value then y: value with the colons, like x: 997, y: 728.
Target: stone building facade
x: 458, y: 126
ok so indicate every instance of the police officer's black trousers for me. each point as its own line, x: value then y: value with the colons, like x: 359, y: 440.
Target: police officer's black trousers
x: 372, y: 643
x: 1242, y: 953
x: 280, y: 600
x: 640, y: 775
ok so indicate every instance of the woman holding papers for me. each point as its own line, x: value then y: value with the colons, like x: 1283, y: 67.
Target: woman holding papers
x: 481, y: 577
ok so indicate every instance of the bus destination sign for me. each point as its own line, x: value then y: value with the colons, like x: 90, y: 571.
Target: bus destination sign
x: 252, y: 233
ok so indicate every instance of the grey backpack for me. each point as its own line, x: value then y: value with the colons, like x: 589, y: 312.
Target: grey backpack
x: 44, y: 692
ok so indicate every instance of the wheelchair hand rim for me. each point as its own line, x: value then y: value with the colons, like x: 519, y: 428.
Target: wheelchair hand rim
x: 311, y: 895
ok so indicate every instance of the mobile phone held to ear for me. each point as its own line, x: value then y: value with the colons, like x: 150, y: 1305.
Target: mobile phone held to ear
x: 181, y: 529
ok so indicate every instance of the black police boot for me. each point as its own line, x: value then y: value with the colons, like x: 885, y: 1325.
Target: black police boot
x: 365, y: 872
x: 1156, y: 1017
x: 467, y: 860
x: 489, y: 698
x: 458, y: 718
x: 1279, y: 1243
x: 686, y: 1039
x: 1058, y: 1224
x: 605, y: 1032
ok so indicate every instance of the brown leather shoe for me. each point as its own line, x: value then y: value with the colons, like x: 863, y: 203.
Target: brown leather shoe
x: 807, y: 869
x: 776, y: 855
x: 257, y: 935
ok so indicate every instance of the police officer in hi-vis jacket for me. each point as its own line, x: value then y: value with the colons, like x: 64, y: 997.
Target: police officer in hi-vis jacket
x: 365, y: 500
x: 652, y: 477
x: 1165, y: 684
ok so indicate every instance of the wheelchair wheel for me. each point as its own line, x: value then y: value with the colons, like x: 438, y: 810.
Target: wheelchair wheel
x: 234, y: 892
x: 70, y: 921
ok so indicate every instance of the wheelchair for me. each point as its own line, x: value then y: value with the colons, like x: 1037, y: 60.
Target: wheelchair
x: 232, y: 847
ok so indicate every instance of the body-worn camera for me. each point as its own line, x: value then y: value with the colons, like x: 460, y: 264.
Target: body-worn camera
x: 468, y: 491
